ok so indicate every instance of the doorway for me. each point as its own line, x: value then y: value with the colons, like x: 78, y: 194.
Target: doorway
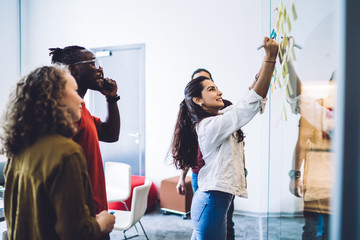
x: 125, y: 65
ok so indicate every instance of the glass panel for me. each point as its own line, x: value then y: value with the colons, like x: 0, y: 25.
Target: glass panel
x: 302, y: 102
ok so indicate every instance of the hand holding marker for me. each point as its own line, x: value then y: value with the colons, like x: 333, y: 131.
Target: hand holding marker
x: 261, y: 46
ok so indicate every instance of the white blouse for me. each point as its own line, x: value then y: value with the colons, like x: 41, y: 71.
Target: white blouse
x: 318, y: 116
x: 222, y: 153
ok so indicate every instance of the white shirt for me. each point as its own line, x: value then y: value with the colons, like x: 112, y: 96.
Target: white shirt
x: 318, y: 116
x: 222, y: 153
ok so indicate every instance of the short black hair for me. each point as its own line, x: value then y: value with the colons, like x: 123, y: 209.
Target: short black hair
x: 201, y: 70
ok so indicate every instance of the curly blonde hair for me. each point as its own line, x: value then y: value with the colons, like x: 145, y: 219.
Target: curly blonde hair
x: 34, y: 110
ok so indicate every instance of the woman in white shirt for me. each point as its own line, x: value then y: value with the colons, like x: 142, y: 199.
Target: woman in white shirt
x: 201, y: 124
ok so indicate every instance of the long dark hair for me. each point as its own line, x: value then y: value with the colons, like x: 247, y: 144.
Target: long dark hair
x: 184, y: 147
x: 34, y: 110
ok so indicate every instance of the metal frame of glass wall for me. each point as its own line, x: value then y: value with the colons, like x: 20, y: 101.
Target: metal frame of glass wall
x: 346, y: 218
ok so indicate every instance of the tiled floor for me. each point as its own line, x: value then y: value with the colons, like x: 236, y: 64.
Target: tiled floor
x: 174, y: 227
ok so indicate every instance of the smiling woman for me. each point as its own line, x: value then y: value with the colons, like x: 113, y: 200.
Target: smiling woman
x: 46, y: 169
x: 211, y: 100
x: 203, y: 126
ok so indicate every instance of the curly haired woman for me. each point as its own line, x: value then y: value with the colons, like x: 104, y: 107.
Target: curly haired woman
x: 47, y: 190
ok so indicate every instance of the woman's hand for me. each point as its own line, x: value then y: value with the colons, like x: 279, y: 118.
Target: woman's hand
x: 106, y: 221
x: 271, y: 49
x: 180, y: 187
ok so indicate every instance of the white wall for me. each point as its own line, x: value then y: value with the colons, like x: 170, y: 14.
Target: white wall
x: 179, y: 37
x: 9, y: 60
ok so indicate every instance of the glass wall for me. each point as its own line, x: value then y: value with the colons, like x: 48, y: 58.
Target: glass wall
x: 302, y: 102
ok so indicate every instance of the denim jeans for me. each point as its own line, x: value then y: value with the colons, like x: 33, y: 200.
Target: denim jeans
x: 313, y: 210
x: 230, y: 231
x: 194, y: 182
x: 208, y: 214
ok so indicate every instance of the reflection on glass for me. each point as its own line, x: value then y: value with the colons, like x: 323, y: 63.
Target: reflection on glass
x: 302, y: 121
x: 313, y: 152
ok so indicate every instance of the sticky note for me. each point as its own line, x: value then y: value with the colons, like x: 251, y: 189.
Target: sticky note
x: 281, y: 54
x: 288, y: 22
x: 285, y: 14
x: 285, y: 41
x: 283, y: 71
x: 280, y: 7
x: 289, y: 87
x: 284, y: 112
x: 293, y: 11
x: 279, y: 83
x: 286, y: 67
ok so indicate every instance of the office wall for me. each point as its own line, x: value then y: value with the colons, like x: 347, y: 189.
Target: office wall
x: 9, y: 49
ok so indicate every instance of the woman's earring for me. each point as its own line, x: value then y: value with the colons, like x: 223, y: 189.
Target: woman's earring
x: 200, y: 104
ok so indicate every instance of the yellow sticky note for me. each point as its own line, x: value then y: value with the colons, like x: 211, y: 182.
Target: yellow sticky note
x: 278, y: 21
x: 285, y: 57
x: 289, y: 87
x: 278, y: 82
x: 280, y: 6
x: 293, y: 11
x: 281, y: 54
x: 288, y: 22
x: 284, y: 111
x: 285, y: 41
x: 286, y: 67
x: 283, y: 7
x: 283, y: 71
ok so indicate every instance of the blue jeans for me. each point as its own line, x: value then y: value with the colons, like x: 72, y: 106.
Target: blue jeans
x: 208, y: 214
x: 312, y: 228
x: 316, y: 219
x: 194, y: 182
x: 230, y: 231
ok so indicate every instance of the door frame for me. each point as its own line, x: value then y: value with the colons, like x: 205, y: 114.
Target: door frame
x: 141, y: 50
